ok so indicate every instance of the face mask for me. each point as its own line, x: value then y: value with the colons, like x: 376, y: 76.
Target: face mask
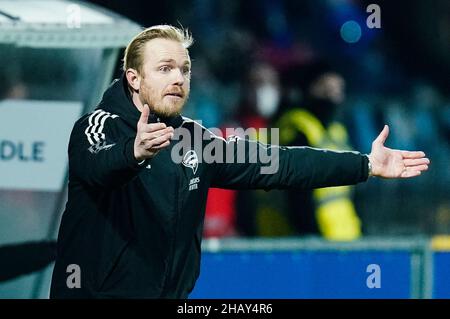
x: 267, y: 99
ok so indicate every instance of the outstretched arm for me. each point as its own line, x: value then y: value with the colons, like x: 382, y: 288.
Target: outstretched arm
x: 390, y: 163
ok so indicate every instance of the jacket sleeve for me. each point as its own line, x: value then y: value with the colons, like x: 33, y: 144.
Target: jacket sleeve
x: 278, y: 167
x: 97, y: 156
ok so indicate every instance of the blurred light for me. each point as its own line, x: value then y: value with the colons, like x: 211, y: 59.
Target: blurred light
x: 351, y: 31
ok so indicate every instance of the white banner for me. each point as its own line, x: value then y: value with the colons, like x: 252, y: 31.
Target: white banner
x: 34, y: 136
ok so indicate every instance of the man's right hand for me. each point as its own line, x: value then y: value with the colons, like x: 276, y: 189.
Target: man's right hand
x: 150, y: 138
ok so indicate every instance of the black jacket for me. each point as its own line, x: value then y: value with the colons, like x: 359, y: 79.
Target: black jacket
x: 135, y: 230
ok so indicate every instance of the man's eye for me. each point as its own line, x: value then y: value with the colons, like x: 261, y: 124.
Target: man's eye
x: 186, y: 70
x: 165, y: 68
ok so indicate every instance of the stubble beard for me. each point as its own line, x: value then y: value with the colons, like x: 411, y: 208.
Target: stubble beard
x: 164, y: 106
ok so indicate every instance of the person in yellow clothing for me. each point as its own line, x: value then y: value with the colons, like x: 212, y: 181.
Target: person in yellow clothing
x: 327, y: 211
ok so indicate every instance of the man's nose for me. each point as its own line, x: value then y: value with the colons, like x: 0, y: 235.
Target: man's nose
x: 178, y: 77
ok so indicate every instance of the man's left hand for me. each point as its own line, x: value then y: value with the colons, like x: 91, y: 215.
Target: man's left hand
x: 389, y: 163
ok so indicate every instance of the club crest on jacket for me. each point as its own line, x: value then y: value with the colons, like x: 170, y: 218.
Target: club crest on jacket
x: 190, y: 160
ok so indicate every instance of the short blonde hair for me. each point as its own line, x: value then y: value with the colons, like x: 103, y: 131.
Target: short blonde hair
x: 134, y: 52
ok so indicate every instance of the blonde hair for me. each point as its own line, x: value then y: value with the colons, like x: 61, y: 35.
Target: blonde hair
x: 134, y: 52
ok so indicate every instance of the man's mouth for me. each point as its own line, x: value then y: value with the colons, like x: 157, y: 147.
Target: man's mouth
x: 175, y: 94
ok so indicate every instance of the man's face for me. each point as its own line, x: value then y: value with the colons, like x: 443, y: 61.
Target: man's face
x: 165, y: 78
x: 330, y: 86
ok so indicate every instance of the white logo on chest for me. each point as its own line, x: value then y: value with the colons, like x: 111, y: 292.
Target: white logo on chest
x: 190, y: 160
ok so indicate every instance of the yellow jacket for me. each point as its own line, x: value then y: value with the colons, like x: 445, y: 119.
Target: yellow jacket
x: 335, y: 213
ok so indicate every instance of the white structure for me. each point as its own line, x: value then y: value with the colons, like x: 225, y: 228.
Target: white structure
x: 57, y: 57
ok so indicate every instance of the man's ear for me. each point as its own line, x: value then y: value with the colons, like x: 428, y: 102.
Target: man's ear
x: 133, y: 78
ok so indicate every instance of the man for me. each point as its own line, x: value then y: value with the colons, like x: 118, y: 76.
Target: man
x: 326, y: 211
x: 133, y: 221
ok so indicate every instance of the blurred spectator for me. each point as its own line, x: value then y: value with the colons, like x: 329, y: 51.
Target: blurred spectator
x: 259, y: 213
x: 260, y: 96
x: 249, y: 212
x: 329, y: 211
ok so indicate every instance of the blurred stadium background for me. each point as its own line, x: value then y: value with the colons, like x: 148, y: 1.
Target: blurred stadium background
x: 58, y: 56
